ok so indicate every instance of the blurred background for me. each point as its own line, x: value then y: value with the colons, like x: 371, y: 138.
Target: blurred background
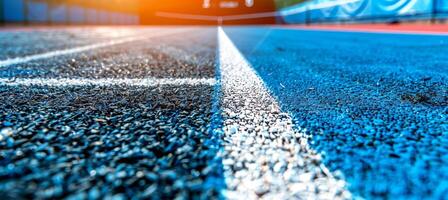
x: 147, y: 12
x: 70, y: 11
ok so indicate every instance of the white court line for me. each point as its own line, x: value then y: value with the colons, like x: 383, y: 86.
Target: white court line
x: 187, y: 16
x: 370, y: 31
x: 19, y: 60
x: 218, y: 18
x: 146, y: 82
x: 264, y: 156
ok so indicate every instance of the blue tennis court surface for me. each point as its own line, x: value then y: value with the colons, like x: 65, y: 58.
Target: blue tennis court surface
x: 237, y: 112
x: 375, y: 104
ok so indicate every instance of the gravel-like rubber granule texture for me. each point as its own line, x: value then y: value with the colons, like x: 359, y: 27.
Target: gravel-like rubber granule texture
x: 376, y: 105
x: 98, y: 142
x: 19, y: 43
x: 190, y: 54
x: 264, y: 157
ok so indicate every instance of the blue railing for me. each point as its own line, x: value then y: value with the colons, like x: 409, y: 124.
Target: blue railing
x: 327, y: 11
x: 28, y: 11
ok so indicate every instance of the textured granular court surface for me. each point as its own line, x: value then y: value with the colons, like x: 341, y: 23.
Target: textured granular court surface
x: 233, y: 112
x: 117, y: 135
x: 375, y: 104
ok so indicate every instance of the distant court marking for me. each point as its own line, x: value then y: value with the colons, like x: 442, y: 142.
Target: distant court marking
x: 363, y: 30
x: 19, y: 60
x: 218, y: 19
x: 146, y: 82
x: 188, y: 16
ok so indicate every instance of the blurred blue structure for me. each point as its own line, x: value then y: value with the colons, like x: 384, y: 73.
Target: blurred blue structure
x: 35, y: 11
x: 76, y: 14
x: 13, y: 11
x: 324, y: 11
x: 91, y: 16
x: 58, y: 14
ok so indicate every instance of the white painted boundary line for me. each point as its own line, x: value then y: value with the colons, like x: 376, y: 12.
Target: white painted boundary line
x: 264, y: 157
x: 187, y: 16
x: 19, y: 60
x: 218, y: 18
x: 361, y: 30
x: 64, y: 82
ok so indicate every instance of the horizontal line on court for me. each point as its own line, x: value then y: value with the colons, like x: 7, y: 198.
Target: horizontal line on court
x: 145, y: 82
x: 363, y: 30
x: 19, y: 60
x: 216, y: 17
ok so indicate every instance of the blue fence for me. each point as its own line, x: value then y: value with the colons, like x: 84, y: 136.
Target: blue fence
x: 319, y: 11
x: 29, y: 11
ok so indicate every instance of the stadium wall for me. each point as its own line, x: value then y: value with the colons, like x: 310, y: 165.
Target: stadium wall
x: 63, y: 12
x: 337, y: 11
